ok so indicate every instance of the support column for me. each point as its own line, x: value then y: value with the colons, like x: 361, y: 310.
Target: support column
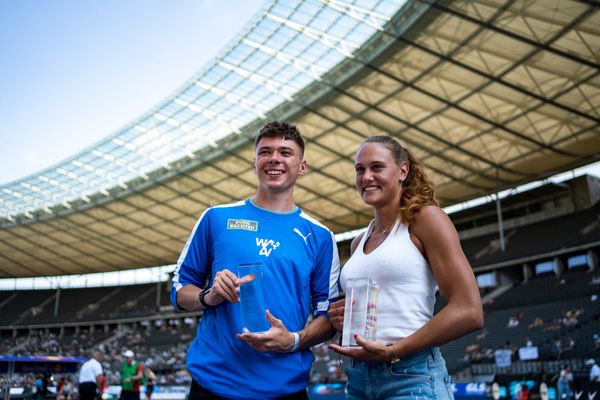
x: 499, y: 215
x: 57, y: 302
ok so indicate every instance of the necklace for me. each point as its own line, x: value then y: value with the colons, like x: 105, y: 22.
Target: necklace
x: 386, y: 230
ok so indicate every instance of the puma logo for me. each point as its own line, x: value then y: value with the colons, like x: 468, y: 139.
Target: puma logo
x: 302, y: 236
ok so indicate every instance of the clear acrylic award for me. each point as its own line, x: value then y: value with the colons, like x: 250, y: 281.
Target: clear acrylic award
x: 252, y: 298
x: 360, y: 313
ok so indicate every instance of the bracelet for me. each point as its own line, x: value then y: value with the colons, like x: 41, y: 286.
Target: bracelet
x: 391, y: 352
x: 201, y: 298
x: 296, y: 341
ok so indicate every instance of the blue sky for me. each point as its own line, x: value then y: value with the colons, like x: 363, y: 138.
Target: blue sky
x: 73, y: 72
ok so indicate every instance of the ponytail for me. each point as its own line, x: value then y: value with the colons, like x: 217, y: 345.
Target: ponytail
x: 417, y: 189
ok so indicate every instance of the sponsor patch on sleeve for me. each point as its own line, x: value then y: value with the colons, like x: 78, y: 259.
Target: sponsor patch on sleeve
x: 243, y: 224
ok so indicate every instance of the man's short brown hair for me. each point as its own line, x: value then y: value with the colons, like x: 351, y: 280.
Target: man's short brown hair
x: 281, y: 129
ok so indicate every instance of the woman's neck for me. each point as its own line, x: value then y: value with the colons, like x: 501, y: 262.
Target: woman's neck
x: 385, y: 219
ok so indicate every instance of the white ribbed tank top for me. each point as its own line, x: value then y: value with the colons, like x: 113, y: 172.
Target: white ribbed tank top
x: 406, y: 283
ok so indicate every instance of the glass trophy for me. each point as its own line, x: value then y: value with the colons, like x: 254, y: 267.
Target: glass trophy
x: 360, y: 313
x: 252, y: 298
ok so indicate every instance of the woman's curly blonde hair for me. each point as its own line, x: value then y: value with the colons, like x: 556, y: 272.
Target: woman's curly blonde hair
x: 417, y: 189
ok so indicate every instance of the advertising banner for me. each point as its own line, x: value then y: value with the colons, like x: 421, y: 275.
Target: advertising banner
x: 528, y: 353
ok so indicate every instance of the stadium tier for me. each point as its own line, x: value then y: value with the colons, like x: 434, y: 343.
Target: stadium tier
x: 557, y: 310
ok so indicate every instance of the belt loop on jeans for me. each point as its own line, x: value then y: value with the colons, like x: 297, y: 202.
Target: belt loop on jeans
x: 430, y: 356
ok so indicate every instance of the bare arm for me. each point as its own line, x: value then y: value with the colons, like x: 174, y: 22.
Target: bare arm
x: 139, y: 373
x: 463, y: 313
x: 187, y: 298
x: 318, y: 331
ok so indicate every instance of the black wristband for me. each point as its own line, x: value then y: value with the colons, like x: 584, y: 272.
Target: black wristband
x: 201, y: 298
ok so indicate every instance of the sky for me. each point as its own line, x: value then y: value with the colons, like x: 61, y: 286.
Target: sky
x: 74, y: 72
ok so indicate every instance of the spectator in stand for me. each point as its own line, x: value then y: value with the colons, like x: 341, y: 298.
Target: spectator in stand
x: 565, y: 379
x: 28, y: 386
x: 102, y: 386
x: 64, y: 389
x: 537, y: 323
x: 41, y: 386
x: 596, y: 341
x: 90, y: 377
x: 59, y: 385
x: 557, y: 348
x: 510, y: 347
x: 132, y: 374
x: 570, y: 344
x: 594, y: 371
x: 150, y: 380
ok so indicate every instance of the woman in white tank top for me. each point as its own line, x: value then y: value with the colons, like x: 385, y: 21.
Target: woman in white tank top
x: 409, y: 248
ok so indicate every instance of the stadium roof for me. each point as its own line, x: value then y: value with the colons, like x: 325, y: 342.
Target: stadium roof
x: 488, y: 94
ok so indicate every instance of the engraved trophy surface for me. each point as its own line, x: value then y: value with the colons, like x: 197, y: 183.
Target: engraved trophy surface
x: 252, y: 298
x: 360, y: 313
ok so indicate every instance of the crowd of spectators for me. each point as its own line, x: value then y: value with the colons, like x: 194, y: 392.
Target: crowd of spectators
x: 158, y: 344
x: 568, y: 318
x: 560, y: 346
x: 42, y: 342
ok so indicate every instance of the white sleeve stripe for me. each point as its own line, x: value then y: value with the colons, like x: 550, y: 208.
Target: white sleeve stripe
x: 312, y: 220
x: 334, y: 273
x: 176, y: 284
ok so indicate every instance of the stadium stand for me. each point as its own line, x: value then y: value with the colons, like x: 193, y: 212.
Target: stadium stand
x: 560, y: 305
x: 556, y: 308
x: 34, y: 307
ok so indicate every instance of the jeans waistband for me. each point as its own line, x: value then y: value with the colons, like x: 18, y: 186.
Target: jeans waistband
x: 432, y: 355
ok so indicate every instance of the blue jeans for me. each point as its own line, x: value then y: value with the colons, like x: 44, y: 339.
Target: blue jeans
x: 563, y: 388
x: 422, y: 375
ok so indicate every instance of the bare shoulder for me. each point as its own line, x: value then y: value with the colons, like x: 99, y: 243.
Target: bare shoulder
x: 431, y: 222
x: 430, y: 214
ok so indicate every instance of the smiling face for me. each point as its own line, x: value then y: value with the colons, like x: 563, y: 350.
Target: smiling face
x: 277, y: 164
x: 378, y: 177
